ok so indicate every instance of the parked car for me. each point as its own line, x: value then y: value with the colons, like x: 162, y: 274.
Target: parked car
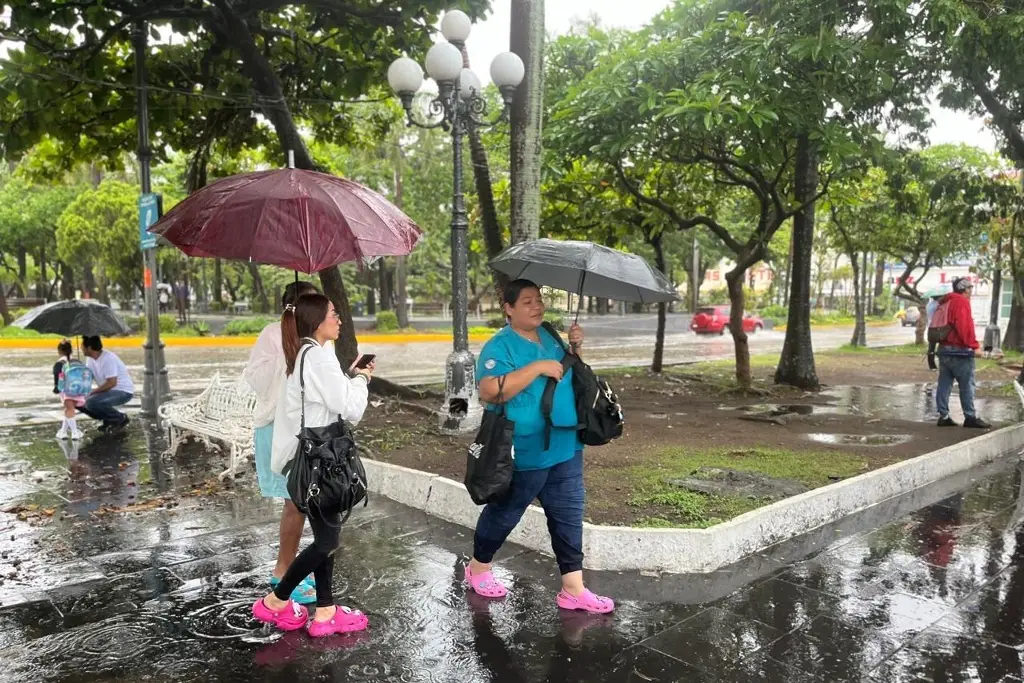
x: 715, y: 320
x: 911, y: 316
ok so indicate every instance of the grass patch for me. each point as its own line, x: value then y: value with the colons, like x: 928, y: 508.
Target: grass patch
x: 901, y: 350
x: 676, y: 507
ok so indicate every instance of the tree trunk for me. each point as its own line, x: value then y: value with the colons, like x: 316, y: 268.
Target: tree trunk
x: 1014, y: 337
x: 67, y: 281
x: 401, y: 272
x: 43, y: 287
x: 258, y: 290
x: 22, y: 268
x: 267, y: 85
x: 602, y: 306
x: 796, y: 365
x: 346, y: 348
x: 371, y: 302
x: 659, y: 339
x: 858, y: 338
x: 876, y: 308
x: 218, y: 282
x: 88, y: 281
x: 484, y: 187
x: 788, y: 277
x: 384, y: 279
x: 4, y: 312
x: 734, y: 280
x: 997, y: 285
x: 527, y: 41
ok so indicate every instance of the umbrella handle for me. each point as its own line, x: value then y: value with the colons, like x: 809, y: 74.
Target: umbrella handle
x: 579, y: 307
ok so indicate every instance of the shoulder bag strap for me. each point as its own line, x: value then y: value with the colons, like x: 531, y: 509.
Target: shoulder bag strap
x: 302, y: 385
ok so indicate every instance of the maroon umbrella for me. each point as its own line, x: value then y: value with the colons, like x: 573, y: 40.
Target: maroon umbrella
x: 300, y: 220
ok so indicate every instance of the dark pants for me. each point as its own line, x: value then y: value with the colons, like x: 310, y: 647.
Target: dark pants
x: 961, y: 370
x: 103, y: 406
x: 560, y: 492
x: 316, y: 559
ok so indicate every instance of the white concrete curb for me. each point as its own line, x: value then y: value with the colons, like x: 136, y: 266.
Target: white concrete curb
x: 702, y: 550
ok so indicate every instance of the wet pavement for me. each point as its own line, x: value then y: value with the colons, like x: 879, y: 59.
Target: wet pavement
x: 927, y: 587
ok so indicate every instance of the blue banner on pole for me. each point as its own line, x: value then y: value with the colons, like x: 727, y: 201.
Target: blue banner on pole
x: 149, y: 213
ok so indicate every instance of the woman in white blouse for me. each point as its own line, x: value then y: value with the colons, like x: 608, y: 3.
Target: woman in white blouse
x: 307, y: 328
x: 265, y: 374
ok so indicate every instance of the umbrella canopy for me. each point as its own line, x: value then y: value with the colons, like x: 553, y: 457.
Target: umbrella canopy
x: 74, y: 318
x: 299, y: 220
x: 587, y: 269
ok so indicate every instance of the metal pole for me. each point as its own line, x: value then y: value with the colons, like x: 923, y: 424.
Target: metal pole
x: 462, y: 411
x: 155, y: 387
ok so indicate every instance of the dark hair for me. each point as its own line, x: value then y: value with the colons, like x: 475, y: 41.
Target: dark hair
x: 296, y: 289
x: 64, y: 348
x: 94, y: 343
x: 300, y: 320
x: 513, y: 290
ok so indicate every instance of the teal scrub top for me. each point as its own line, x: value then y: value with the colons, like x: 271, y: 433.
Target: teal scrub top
x: 507, y: 352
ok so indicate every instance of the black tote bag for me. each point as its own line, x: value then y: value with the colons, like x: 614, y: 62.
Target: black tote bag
x: 491, y: 457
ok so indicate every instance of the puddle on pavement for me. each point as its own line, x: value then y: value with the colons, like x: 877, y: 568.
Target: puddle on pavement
x: 860, y: 439
x: 916, y: 403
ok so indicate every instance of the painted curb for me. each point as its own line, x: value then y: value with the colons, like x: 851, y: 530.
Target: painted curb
x: 678, y: 551
x: 225, y: 342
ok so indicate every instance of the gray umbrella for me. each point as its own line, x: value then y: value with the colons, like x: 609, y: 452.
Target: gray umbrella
x: 587, y: 269
x: 73, y: 318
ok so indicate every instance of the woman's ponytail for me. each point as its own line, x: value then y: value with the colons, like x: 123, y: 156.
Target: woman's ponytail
x: 289, y: 338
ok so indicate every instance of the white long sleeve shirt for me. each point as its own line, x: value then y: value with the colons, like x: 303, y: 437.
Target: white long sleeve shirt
x: 265, y: 373
x: 329, y: 393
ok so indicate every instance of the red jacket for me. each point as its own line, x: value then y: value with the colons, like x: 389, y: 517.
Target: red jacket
x: 960, y: 319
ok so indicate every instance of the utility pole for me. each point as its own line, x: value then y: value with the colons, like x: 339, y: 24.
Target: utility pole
x: 156, y: 386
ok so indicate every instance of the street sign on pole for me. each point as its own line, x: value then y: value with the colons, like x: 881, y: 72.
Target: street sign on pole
x: 150, y: 208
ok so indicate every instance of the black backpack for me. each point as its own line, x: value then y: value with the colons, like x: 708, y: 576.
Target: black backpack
x: 598, y: 413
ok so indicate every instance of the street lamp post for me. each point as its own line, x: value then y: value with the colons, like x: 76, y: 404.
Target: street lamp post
x: 457, y: 106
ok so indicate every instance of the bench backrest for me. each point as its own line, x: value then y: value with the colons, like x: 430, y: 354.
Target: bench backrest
x: 227, y: 401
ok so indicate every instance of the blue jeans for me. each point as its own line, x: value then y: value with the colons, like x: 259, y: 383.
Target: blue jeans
x: 103, y: 406
x: 961, y: 369
x: 560, y: 492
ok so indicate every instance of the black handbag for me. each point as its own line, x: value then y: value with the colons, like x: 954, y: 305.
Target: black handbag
x: 491, y: 457
x: 326, y: 474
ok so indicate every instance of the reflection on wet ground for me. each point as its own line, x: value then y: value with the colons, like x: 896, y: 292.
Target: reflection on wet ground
x: 914, y: 402
x: 927, y: 587
x: 860, y: 439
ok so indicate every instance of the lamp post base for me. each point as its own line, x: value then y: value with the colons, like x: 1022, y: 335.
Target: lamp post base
x: 461, y: 412
x: 156, y: 388
x: 993, y: 341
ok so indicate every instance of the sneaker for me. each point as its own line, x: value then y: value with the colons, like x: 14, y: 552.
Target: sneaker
x: 947, y: 422
x: 62, y: 433
x: 76, y: 433
x: 976, y: 423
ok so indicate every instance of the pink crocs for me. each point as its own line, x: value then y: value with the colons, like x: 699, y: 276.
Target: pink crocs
x: 587, y: 602
x: 291, y: 617
x: 345, y: 620
x: 485, y: 584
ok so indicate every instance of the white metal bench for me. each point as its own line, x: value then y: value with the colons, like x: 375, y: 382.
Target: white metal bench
x: 223, y: 412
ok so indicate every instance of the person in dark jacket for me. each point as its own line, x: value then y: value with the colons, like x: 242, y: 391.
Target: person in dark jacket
x: 956, y: 357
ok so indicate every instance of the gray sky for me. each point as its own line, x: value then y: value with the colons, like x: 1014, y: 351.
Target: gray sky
x: 491, y: 37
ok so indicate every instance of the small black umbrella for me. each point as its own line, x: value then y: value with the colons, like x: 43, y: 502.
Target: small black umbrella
x: 586, y: 269
x: 74, y: 318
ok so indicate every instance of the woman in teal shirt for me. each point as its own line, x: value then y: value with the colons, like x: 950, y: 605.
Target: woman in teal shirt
x: 526, y: 355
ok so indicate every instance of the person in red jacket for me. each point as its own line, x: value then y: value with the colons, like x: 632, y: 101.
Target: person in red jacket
x: 956, y: 357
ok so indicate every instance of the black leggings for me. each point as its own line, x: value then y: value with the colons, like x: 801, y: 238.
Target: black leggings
x: 317, y: 558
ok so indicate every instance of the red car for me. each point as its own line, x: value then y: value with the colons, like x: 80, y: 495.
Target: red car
x: 715, y: 320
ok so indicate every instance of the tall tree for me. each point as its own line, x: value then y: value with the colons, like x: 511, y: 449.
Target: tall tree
x: 527, y: 41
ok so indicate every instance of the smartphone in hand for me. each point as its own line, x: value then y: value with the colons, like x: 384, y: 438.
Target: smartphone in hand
x: 364, y: 361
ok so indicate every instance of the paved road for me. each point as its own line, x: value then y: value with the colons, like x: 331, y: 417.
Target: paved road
x: 613, y: 341
x: 924, y: 588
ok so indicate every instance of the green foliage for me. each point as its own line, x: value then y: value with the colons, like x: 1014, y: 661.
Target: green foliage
x: 201, y: 328
x: 555, y: 319
x: 168, y: 323
x: 246, y: 326
x: 101, y: 227
x: 387, y: 321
